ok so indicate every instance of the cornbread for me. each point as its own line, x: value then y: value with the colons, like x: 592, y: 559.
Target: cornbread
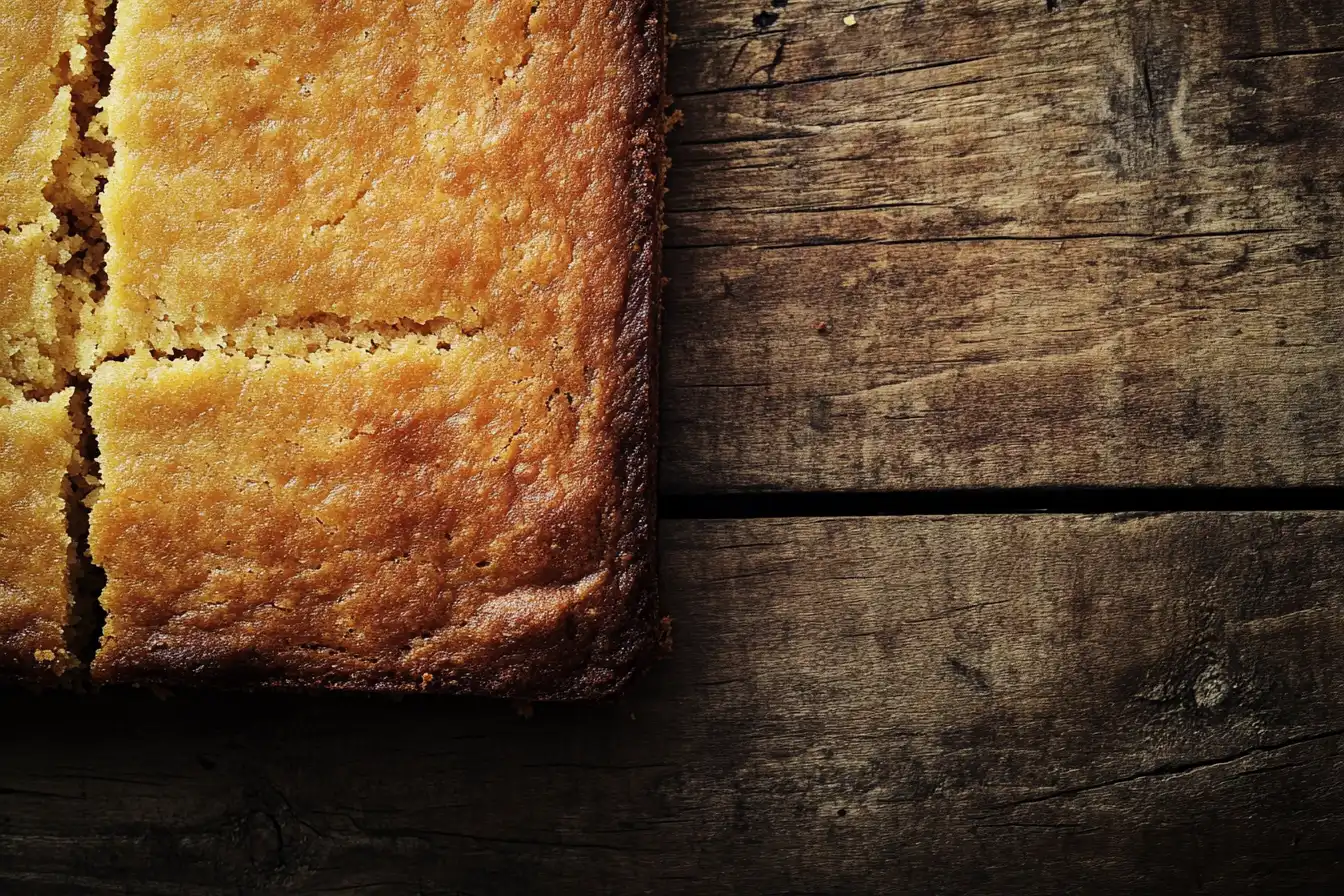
x: 373, y: 378
x: 48, y: 186
x: 46, y: 181
x: 30, y: 305
x: 37, y: 450
x: 45, y: 72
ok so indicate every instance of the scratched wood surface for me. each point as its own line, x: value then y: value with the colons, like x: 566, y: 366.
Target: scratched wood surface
x: 1016, y: 704
x: 1005, y: 243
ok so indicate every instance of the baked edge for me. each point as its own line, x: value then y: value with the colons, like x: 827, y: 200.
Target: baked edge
x: 625, y: 634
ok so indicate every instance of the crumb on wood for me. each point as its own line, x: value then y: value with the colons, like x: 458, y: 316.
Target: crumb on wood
x: 821, y: 326
x: 851, y: 21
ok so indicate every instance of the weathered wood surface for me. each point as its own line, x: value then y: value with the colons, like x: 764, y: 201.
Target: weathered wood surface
x: 1015, y: 704
x: 1052, y: 242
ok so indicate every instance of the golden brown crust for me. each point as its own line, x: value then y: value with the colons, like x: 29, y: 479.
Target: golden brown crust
x: 631, y: 635
x: 409, y: 518
x: 574, y: 624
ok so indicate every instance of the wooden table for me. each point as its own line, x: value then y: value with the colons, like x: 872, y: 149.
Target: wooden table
x: 957, y: 261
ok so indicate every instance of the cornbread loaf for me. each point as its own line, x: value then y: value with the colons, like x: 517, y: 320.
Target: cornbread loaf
x: 48, y: 183
x: 373, y: 378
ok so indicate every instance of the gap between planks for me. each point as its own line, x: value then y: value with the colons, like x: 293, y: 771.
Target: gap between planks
x: 995, y: 501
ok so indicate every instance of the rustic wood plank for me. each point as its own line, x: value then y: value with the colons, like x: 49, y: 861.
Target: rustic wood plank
x: 1051, y: 244
x: 1148, y: 703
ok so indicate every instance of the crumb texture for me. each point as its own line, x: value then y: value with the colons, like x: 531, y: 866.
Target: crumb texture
x: 41, y: 43
x: 372, y: 378
x: 30, y: 302
x: 37, y: 449
x: 48, y: 186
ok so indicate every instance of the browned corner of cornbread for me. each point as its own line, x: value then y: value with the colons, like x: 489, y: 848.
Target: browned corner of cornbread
x: 374, y: 379
x: 48, y: 231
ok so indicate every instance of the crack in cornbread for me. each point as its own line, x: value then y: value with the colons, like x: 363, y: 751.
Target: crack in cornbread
x: 50, y: 170
x: 373, y: 377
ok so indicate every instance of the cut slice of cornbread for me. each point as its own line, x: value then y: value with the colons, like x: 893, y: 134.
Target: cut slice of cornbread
x: 47, y: 184
x: 37, y: 451
x: 298, y: 164
x: 48, y: 192
x: 30, y: 309
x: 413, y: 517
x: 42, y: 42
x: 385, y: 278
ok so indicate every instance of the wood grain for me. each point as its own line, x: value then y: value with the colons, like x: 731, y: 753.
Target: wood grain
x: 1015, y: 703
x: 1051, y: 243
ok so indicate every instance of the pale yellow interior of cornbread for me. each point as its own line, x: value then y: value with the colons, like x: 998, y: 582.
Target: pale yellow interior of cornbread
x: 285, y: 176
x: 37, y: 452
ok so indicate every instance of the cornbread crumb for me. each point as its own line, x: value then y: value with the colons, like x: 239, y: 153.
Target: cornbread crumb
x: 29, y: 301
x: 43, y: 47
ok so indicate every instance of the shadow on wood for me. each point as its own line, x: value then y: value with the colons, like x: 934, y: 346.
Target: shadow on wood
x: 854, y: 705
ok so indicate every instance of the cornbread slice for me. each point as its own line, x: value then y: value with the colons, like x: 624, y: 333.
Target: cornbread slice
x: 47, y: 192
x: 30, y: 305
x: 384, y: 277
x: 46, y: 79
x: 43, y: 46
x: 37, y: 450
x: 413, y: 517
x: 295, y: 164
